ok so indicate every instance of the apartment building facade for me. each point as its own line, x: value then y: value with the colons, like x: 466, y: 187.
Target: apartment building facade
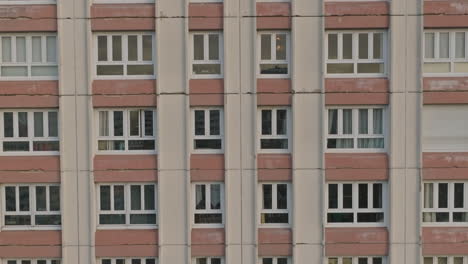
x: 221, y: 132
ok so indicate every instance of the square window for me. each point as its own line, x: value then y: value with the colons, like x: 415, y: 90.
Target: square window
x: 445, y: 202
x: 274, y: 54
x: 275, y: 203
x: 207, y: 54
x: 208, y: 204
x: 274, y: 129
x: 445, y: 53
x: 208, y: 130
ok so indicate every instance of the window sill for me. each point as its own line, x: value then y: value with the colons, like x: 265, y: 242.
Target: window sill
x: 125, y: 227
x: 31, y: 228
x: 273, y: 76
x: 126, y: 152
x: 355, y: 75
x: 355, y: 150
x: 356, y: 225
x: 22, y: 154
x: 202, y: 226
x: 274, y: 151
x: 125, y: 77
x: 274, y: 225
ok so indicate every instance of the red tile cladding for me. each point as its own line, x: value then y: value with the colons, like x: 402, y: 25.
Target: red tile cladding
x: 129, y: 168
x: 274, y: 242
x: 273, y: 15
x: 445, y: 166
x: 127, y: 243
x: 445, y: 14
x: 29, y: 169
x: 207, y: 167
x: 356, y: 98
x: 356, y: 91
x: 122, y: 93
x: 29, y: 94
x: 274, y: 167
x: 207, y: 242
x: 274, y: 92
x: 205, y: 16
x: 445, y: 90
x: 349, y: 15
x: 30, y: 244
x: 356, y: 166
x: 370, y: 241
x: 109, y: 17
x: 28, y: 18
x: 444, y: 240
x: 206, y: 92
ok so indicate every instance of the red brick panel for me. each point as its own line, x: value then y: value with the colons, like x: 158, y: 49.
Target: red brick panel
x: 445, y: 90
x: 356, y: 91
x: 274, y: 242
x: 445, y: 14
x: 273, y: 16
x: 28, y: 18
x: 125, y: 168
x: 207, y: 167
x: 367, y: 241
x: 351, y: 15
x: 207, y: 242
x: 206, y: 92
x: 444, y: 240
x: 127, y: 243
x: 29, y: 94
x: 356, y: 166
x: 30, y: 244
x: 445, y: 166
x: 124, y: 93
x: 274, y: 92
x: 205, y: 16
x: 29, y: 169
x: 109, y: 17
x: 274, y: 167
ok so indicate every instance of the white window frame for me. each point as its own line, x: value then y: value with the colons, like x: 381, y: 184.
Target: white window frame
x: 207, y: 130
x: 126, y: 133
x: 355, y: 259
x: 273, y: 54
x: 30, y: 138
x: 208, y: 259
x: 206, y: 49
x: 450, y: 202
x: 124, y: 62
x: 33, y: 261
x: 28, y: 44
x: 355, y: 127
x: 355, y: 56
x: 355, y: 207
x: 274, y: 204
x: 32, y: 207
x: 274, y: 134
x: 207, y: 203
x: 451, y: 59
x: 127, y: 206
x: 127, y: 260
x: 275, y: 259
x: 450, y: 259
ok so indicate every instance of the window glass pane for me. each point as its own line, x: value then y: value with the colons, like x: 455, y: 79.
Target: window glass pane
x: 213, y: 40
x: 134, y: 123
x: 10, y: 198
x: 428, y: 260
x: 347, y: 121
x: 136, y: 261
x: 458, y: 195
x: 215, y: 193
x: 347, y: 46
x: 363, y: 46
x: 460, y: 45
x: 132, y: 48
x: 198, y: 47
x: 333, y: 196
x: 332, y: 46
x: 23, y: 124
x: 332, y: 260
x: 429, y: 45
x: 265, y: 48
x: 20, y: 49
x: 267, y: 261
x: 135, y: 199
x: 24, y: 198
x: 267, y: 196
x: 333, y: 121
x: 105, y: 198
x: 377, y: 195
x: 106, y: 261
x: 347, y: 260
x: 199, y: 122
x: 54, y: 198
x: 118, y: 123
x: 150, y: 261
x: 281, y: 122
x: 282, y: 261
x: 376, y: 260
x: 428, y: 195
x: 6, y: 49
x: 347, y: 196
x: 444, y: 45
x: 266, y: 122
x: 120, y: 261
x: 147, y: 48
x: 103, y: 123
x: 215, y: 261
x: 119, y: 197
x: 148, y: 123
x: 102, y: 48
x: 201, y: 261
x: 8, y: 124
x: 214, y: 122
x: 442, y: 260
x: 281, y: 46
x: 38, y: 124
x: 282, y: 196
x: 363, y: 121
x: 363, y: 195
x: 443, y: 195
x: 41, y: 198
x: 149, y: 197
x: 53, y: 124
x: 116, y: 48
x: 458, y: 260
x: 378, y: 45
x: 378, y: 121
x: 36, y: 49
x: 362, y: 260
x: 200, y: 196
x: 51, y: 42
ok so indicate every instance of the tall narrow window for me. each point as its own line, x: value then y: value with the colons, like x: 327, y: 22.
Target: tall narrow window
x: 274, y: 129
x: 446, y: 52
x: 445, y: 202
x: 208, y: 130
x: 274, y: 53
x: 275, y: 203
x: 208, y: 203
x: 207, y: 60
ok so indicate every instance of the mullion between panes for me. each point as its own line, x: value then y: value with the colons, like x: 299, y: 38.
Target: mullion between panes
x: 127, y: 203
x: 355, y: 195
x: 2, y: 130
x: 140, y: 48
x: 15, y: 125
x: 28, y: 54
x: 340, y: 196
x: 370, y: 45
x: 109, y: 49
x: 207, y: 197
x: 370, y: 200
x: 355, y: 51
x: 355, y: 126
x: 206, y: 48
x: 13, y: 49
x: 32, y: 204
x: 452, y: 51
x: 370, y: 121
x: 340, y: 46
x: 273, y: 123
x: 436, y: 196
x: 274, y: 195
x: 206, y: 114
x: 273, y: 47
x: 436, y: 45
x: 30, y: 129
x: 43, y: 49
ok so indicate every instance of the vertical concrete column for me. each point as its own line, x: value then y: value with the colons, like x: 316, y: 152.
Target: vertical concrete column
x: 75, y: 124
x: 240, y: 123
x: 171, y: 38
x: 405, y: 112
x: 307, y: 113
